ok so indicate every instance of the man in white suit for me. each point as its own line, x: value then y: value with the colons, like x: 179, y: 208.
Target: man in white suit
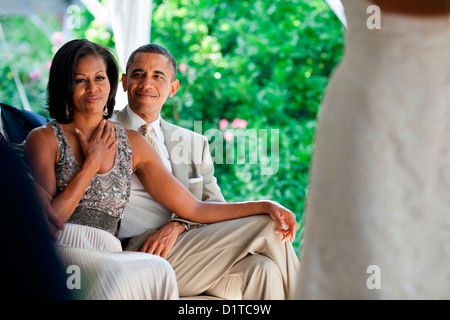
x: 184, y: 152
x: 235, y: 259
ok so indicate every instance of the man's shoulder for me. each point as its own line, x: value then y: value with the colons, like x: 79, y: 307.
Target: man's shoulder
x: 120, y: 115
x: 34, y: 119
x: 175, y: 129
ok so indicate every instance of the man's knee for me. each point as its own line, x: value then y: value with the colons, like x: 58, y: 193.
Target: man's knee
x: 266, y: 226
x: 260, y: 222
x: 262, y: 266
x: 261, y: 278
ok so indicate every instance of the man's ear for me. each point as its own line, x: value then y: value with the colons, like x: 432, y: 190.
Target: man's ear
x: 124, y: 82
x: 175, y: 86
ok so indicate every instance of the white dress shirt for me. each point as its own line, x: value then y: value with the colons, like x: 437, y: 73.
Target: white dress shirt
x: 136, y: 124
x: 143, y: 212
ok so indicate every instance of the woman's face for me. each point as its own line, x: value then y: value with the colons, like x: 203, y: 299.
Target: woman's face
x: 91, y: 85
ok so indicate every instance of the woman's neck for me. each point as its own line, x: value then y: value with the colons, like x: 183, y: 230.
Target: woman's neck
x: 86, y: 124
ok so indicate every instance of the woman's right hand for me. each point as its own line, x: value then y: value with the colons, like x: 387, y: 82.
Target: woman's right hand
x: 286, y: 220
x: 102, y: 143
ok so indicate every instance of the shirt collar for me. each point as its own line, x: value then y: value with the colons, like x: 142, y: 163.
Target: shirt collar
x: 136, y: 122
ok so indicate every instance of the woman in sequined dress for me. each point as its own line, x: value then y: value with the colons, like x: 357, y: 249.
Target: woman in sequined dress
x: 87, y: 170
x: 89, y: 180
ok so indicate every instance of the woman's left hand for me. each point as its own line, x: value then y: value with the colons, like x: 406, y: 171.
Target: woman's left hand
x: 286, y: 220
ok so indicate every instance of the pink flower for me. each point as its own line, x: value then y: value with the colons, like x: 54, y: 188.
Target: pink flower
x: 223, y: 124
x: 182, y: 67
x: 57, y: 38
x: 34, y: 74
x: 239, y: 123
x: 228, y: 135
x: 48, y: 65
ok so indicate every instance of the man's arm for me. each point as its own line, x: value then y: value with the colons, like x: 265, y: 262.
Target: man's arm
x: 210, y: 189
x: 162, y: 241
x: 50, y: 216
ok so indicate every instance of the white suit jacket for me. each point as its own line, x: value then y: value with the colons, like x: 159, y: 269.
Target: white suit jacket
x: 190, y: 158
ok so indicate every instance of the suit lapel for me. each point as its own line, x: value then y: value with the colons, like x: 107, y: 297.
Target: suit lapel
x: 122, y: 118
x: 180, y: 171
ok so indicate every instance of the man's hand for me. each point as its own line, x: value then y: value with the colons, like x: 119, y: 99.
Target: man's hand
x: 50, y: 216
x: 162, y: 241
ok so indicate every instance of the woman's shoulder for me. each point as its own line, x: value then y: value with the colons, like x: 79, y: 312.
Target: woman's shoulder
x: 41, y: 139
x: 42, y: 132
x: 122, y: 131
x: 133, y: 135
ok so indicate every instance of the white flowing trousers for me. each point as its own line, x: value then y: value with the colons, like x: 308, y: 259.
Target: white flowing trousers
x: 107, y: 273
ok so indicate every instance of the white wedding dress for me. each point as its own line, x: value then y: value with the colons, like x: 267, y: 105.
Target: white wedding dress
x: 377, y: 223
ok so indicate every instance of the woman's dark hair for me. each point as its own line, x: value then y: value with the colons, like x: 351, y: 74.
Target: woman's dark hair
x: 61, y: 78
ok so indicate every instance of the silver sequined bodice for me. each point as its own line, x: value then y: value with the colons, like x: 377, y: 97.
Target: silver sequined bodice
x: 102, y: 204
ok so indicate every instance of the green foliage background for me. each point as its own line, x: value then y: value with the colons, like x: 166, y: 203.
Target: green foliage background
x: 267, y: 62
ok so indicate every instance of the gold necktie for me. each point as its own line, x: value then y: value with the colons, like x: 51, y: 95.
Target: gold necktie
x: 148, y: 132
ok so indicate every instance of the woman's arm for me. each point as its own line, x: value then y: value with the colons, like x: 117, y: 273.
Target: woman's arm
x: 168, y: 191
x: 414, y: 7
x: 41, y: 151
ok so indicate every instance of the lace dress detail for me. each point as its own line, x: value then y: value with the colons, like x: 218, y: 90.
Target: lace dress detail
x: 107, y: 194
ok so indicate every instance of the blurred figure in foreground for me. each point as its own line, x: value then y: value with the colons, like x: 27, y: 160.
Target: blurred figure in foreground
x: 30, y: 268
x: 378, y: 212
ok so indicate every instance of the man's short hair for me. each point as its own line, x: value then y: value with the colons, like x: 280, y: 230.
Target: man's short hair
x: 154, y: 48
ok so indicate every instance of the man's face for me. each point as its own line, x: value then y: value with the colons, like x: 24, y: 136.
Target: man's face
x: 148, y: 83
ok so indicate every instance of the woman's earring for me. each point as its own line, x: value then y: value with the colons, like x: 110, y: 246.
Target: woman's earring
x: 105, y: 111
x: 67, y: 111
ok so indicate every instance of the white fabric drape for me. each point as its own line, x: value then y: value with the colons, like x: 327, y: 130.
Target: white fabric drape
x: 338, y: 8
x: 131, y: 22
